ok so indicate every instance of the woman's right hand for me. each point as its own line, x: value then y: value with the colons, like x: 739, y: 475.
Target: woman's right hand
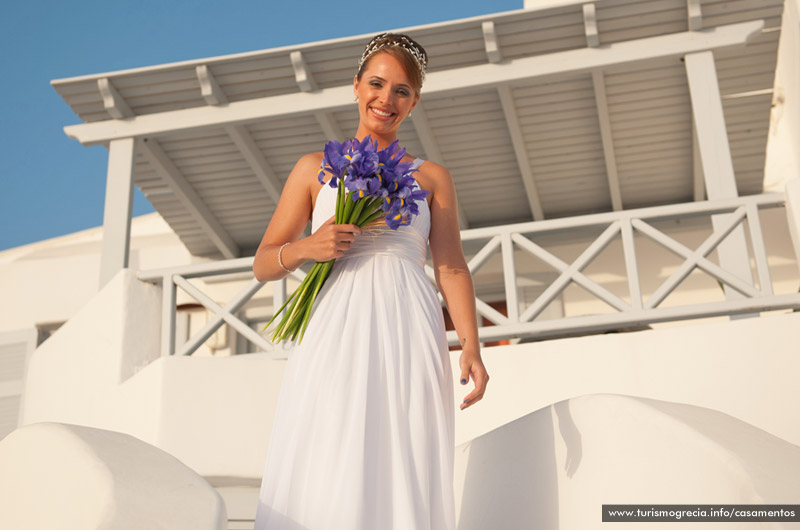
x: 330, y: 241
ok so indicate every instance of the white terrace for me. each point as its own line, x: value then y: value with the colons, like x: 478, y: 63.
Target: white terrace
x: 562, y: 109
x: 620, y: 165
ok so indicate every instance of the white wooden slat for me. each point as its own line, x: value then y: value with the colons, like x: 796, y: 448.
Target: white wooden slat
x: 302, y: 74
x: 717, y: 162
x: 639, y: 32
x: 609, y: 155
x: 590, y: 25
x: 189, y: 198
x: 510, y: 278
x: 520, y: 151
x: 759, y: 250
x: 490, y: 43
x: 631, y: 266
x: 697, y: 258
x: 434, y: 153
x: 118, y: 207
x: 694, y: 15
x: 263, y: 171
x: 113, y: 102
x: 209, y: 88
x: 222, y: 314
x: 446, y: 81
x: 570, y: 273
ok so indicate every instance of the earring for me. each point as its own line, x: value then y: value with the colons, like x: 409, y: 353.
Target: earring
x: 409, y: 114
x: 355, y: 98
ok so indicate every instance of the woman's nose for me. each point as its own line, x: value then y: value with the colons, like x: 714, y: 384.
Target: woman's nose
x: 386, y: 95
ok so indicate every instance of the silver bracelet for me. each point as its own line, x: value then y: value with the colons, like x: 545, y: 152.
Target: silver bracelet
x: 280, y: 261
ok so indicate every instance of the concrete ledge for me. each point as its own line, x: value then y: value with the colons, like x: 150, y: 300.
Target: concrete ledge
x: 70, y: 477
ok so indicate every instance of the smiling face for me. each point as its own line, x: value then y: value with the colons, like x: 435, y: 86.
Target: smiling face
x: 385, y: 97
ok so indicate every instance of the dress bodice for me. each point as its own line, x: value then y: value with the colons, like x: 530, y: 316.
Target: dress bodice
x: 407, y: 242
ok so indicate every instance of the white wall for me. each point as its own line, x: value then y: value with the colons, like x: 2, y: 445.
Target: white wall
x: 214, y: 414
x: 50, y: 280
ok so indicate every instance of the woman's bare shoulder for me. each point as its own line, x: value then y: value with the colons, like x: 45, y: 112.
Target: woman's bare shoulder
x: 305, y: 170
x: 309, y: 163
x: 433, y: 175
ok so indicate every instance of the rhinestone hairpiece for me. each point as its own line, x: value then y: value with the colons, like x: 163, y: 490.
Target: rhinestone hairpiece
x: 396, y: 40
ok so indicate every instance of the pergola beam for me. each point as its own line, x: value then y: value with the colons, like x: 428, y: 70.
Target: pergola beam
x: 161, y: 163
x: 241, y: 137
x: 301, y: 73
x: 445, y: 82
x: 209, y: 88
x: 694, y: 15
x: 590, y: 26
x: 601, y: 103
x: 716, y: 160
x: 697, y: 168
x: 521, y: 151
x: 304, y: 79
x: 490, y: 43
x: 598, y: 80
x: 256, y: 159
x: 425, y: 134
x: 118, y: 207
x: 329, y: 126
x: 113, y: 102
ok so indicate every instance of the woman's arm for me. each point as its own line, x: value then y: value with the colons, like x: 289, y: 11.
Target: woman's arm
x: 454, y: 278
x: 291, y: 215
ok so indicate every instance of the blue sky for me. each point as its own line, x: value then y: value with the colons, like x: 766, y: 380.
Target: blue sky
x: 49, y: 184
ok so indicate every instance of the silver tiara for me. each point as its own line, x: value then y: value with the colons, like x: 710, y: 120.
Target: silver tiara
x: 396, y: 40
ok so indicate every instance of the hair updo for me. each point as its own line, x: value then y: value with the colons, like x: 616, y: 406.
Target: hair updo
x: 407, y: 51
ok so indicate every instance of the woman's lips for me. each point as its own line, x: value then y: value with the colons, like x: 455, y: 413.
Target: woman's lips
x: 381, y: 114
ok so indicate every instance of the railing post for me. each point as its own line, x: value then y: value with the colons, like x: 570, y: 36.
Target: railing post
x: 168, y: 311
x: 715, y: 155
x: 117, y: 214
x: 510, y: 277
x: 629, y: 251
x: 278, y: 294
x: 793, y: 214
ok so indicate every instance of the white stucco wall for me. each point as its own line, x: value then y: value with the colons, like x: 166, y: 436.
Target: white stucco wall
x: 214, y: 414
x: 49, y: 281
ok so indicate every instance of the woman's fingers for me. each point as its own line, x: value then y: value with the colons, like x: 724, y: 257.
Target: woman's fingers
x: 333, y: 240
x: 480, y: 377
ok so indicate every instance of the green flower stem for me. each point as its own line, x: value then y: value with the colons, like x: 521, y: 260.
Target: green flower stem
x: 348, y: 206
x: 297, y: 308
x: 326, y: 268
x: 374, y: 216
x: 356, y: 211
x: 339, y: 202
x: 301, y: 294
x: 368, y: 211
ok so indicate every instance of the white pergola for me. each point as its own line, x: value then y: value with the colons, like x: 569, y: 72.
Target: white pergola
x: 573, y: 107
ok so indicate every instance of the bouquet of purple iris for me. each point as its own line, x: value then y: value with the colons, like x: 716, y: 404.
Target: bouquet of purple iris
x: 371, y: 183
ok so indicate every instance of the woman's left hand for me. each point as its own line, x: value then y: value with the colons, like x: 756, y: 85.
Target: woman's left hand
x: 472, y: 366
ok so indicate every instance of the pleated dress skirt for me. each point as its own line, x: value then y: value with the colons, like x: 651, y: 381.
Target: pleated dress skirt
x: 363, y: 435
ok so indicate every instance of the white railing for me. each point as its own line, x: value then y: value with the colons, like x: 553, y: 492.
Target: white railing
x: 638, y: 311
x: 504, y: 239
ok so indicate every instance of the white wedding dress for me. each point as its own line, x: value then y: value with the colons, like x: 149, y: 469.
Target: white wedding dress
x: 363, y: 436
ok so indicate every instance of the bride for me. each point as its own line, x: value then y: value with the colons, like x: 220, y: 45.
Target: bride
x: 363, y: 435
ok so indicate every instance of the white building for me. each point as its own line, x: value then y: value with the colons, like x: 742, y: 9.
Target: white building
x: 621, y: 166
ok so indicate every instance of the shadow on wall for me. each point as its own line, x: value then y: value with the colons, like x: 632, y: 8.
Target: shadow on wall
x: 510, y: 478
x: 615, y: 449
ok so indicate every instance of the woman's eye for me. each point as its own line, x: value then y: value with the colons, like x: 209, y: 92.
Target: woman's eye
x: 403, y: 93
x: 375, y: 84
